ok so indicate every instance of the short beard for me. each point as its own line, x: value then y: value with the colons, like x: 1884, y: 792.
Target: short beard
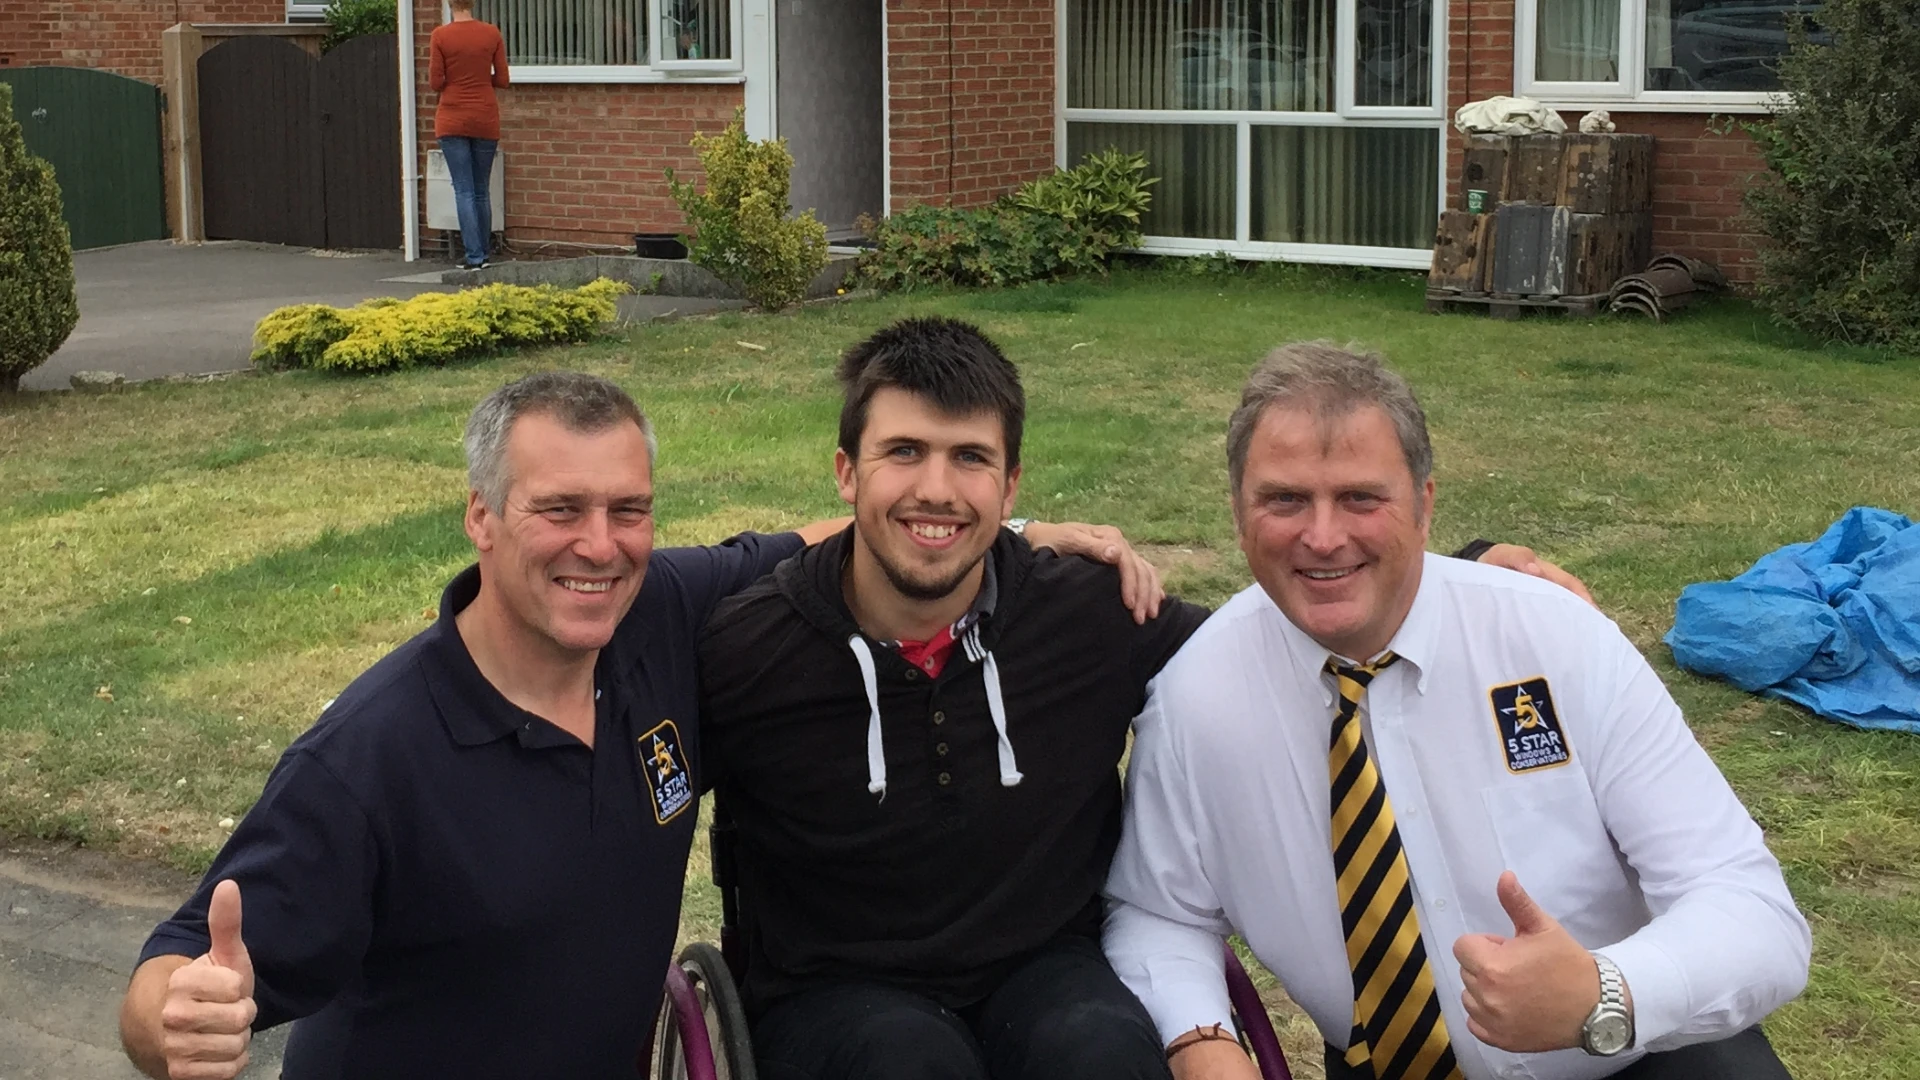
x: 923, y: 591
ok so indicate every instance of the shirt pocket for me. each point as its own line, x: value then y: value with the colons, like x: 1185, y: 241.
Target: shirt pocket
x: 1551, y: 836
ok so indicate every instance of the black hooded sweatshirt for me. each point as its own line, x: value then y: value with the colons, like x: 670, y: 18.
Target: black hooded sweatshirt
x: 922, y: 850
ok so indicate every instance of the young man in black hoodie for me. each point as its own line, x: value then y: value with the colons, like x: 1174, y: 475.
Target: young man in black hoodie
x: 916, y: 727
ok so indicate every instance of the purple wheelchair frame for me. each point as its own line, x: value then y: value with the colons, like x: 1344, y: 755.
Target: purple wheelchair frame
x: 1256, y: 1030
x: 690, y: 1022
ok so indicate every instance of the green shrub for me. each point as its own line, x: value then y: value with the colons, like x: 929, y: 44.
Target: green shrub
x: 432, y: 328
x: 1106, y: 193
x: 1066, y: 223
x: 37, y: 304
x: 741, y: 228
x: 1841, y: 203
x: 349, y: 19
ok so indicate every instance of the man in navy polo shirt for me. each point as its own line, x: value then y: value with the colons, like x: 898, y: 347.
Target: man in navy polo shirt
x: 472, y: 864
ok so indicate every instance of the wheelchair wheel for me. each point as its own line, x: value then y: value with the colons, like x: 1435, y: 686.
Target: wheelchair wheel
x: 713, y: 988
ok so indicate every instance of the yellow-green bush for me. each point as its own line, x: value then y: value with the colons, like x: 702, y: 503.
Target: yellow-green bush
x: 741, y: 228
x: 432, y: 328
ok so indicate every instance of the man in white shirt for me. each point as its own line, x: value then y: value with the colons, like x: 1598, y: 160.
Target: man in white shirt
x: 1450, y: 806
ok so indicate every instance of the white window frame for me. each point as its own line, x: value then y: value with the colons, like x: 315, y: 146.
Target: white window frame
x: 1629, y: 91
x: 1432, y: 116
x: 655, y: 70
x: 300, y: 11
x: 654, y: 40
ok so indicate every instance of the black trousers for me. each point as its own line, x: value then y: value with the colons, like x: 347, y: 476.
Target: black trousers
x: 1745, y: 1056
x: 1064, y: 1015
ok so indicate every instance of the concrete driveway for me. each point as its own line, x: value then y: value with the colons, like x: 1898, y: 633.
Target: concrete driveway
x: 71, y: 925
x: 159, y: 308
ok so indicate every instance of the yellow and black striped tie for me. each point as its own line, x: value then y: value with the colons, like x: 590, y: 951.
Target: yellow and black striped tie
x: 1398, y: 1033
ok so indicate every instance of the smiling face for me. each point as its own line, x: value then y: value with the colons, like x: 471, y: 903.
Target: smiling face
x: 567, y: 549
x: 1333, y: 524
x: 928, y: 491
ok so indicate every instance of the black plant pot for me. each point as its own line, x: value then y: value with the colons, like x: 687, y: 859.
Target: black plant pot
x: 659, y: 246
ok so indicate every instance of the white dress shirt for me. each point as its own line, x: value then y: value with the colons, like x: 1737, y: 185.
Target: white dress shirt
x: 1634, y: 842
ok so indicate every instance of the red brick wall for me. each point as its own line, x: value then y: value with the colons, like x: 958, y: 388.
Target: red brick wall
x: 121, y: 36
x: 1698, y: 173
x: 971, y: 85
x: 972, y: 115
x: 586, y: 163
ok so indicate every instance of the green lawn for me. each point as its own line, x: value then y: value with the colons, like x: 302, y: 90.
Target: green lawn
x: 188, y: 572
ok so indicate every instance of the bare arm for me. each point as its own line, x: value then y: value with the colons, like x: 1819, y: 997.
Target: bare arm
x: 1213, y: 1059
x: 140, y: 1031
x: 823, y: 530
x: 1523, y: 559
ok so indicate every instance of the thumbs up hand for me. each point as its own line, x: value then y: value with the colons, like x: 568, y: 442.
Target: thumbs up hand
x: 1530, y: 992
x: 208, y: 1013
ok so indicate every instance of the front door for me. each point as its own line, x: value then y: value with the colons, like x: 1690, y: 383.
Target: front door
x: 830, y: 96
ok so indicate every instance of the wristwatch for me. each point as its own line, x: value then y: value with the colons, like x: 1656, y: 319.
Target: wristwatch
x: 1018, y: 525
x: 1609, y: 1027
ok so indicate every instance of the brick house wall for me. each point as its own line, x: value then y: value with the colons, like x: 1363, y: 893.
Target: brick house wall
x: 971, y: 116
x: 121, y: 36
x: 971, y: 97
x: 1698, y: 173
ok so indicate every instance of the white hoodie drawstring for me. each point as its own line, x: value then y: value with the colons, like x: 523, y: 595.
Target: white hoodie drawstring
x: 876, y: 751
x: 1009, y: 769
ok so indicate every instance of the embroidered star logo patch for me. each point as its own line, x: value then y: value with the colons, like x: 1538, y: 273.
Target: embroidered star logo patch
x: 1530, y: 732
x: 664, y: 765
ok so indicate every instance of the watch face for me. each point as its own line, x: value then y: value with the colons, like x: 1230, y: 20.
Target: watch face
x: 1608, y: 1034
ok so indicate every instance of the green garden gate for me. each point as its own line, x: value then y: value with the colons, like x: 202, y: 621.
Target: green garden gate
x: 101, y: 133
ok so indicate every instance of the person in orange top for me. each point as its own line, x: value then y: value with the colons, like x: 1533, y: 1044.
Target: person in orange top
x: 468, y: 62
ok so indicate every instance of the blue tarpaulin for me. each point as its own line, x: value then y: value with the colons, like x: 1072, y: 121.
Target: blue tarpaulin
x: 1833, y: 625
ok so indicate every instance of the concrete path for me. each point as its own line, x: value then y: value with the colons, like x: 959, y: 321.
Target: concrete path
x: 158, y: 308
x: 71, y: 925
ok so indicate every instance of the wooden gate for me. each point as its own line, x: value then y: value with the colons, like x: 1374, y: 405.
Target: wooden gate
x: 298, y: 150
x: 101, y: 133
x: 360, y: 142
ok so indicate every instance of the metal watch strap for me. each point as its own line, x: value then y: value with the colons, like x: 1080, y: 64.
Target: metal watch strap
x: 1613, y: 1003
x: 1613, y: 985
x: 1018, y: 525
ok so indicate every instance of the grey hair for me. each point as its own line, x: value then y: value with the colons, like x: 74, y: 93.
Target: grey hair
x: 1329, y: 382
x: 582, y: 403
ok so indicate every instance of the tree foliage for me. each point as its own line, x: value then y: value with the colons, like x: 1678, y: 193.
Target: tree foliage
x: 1841, y: 203
x: 349, y: 19
x: 38, y: 307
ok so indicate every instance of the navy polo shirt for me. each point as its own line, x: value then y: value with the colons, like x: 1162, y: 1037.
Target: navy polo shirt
x: 436, y: 882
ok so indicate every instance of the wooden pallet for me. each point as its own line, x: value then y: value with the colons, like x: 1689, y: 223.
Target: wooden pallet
x: 1510, y: 306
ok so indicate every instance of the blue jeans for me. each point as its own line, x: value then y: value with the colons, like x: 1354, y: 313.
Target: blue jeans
x: 470, y: 166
